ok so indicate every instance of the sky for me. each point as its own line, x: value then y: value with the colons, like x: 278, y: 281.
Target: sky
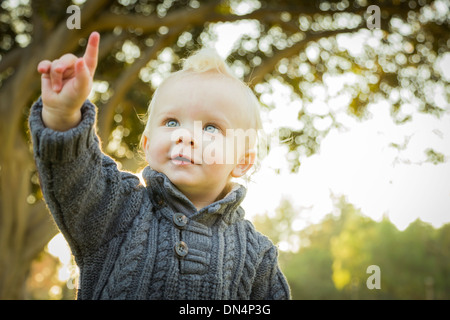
x: 358, y: 163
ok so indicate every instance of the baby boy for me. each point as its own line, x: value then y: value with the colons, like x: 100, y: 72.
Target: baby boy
x: 181, y: 236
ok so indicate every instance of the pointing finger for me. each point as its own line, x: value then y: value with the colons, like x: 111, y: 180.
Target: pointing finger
x: 91, y: 54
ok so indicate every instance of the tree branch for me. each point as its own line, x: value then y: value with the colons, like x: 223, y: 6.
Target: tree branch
x: 11, y: 59
x: 91, y: 9
x: 39, y: 231
x: 108, y: 21
x: 269, y: 64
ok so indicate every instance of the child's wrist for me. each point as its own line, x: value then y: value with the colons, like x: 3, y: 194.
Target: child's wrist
x: 60, y: 121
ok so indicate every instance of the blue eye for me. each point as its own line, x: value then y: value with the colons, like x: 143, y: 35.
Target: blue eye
x: 172, y: 123
x: 211, y: 129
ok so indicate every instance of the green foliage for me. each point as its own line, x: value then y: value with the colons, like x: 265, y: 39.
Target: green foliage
x: 332, y: 259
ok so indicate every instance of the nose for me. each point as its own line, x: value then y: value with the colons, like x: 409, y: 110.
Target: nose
x: 184, y: 136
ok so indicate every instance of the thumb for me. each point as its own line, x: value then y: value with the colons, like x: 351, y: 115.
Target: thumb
x: 82, y: 76
x: 46, y: 84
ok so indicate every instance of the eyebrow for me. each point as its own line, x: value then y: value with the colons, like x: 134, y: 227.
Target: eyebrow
x: 166, y: 112
x: 162, y: 111
x: 223, y: 121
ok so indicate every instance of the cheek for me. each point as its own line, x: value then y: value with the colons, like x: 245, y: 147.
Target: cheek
x: 214, y: 152
x: 157, y: 149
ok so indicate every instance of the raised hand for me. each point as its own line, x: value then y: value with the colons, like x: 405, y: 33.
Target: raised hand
x: 65, y: 84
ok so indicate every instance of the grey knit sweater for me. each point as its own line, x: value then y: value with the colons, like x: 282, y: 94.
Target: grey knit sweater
x: 147, y: 242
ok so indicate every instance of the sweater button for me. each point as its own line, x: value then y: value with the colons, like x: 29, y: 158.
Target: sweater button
x: 180, y: 220
x: 181, y: 249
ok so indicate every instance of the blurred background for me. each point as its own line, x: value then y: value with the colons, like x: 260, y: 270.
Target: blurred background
x: 355, y: 103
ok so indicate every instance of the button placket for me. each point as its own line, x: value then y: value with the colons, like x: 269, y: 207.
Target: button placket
x: 180, y: 221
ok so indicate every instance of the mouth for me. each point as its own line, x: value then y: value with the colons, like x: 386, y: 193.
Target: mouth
x: 182, y: 160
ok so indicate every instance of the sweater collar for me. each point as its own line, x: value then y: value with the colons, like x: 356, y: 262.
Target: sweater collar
x: 165, y: 192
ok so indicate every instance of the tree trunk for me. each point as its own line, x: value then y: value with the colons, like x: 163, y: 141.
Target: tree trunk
x: 25, y: 227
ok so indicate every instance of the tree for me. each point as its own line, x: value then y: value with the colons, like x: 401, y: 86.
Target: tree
x: 295, y: 44
x: 335, y: 257
x: 350, y: 251
x: 409, y: 263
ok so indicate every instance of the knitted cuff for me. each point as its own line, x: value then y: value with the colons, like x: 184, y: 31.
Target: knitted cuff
x: 55, y: 146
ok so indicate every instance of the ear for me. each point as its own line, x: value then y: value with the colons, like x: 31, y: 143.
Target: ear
x: 244, y: 164
x: 144, y: 142
x: 145, y: 146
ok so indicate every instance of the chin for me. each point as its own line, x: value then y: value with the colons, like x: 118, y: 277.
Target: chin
x: 182, y: 181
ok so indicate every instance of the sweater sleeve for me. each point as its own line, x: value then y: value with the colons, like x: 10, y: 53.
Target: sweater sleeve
x: 83, y: 188
x: 270, y: 283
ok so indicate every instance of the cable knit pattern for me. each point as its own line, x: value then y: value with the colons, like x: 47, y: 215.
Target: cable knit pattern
x: 119, y: 282
x: 229, y: 261
x: 132, y: 241
x: 164, y: 253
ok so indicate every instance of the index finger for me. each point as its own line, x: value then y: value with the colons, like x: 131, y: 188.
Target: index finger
x: 91, y: 55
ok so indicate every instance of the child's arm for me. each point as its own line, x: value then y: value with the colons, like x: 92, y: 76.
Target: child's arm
x: 89, y: 198
x: 270, y: 283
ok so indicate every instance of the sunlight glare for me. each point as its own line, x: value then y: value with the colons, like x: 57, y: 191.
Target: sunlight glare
x: 59, y: 248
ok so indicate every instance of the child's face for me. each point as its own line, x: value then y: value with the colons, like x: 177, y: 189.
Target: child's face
x: 188, y: 138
